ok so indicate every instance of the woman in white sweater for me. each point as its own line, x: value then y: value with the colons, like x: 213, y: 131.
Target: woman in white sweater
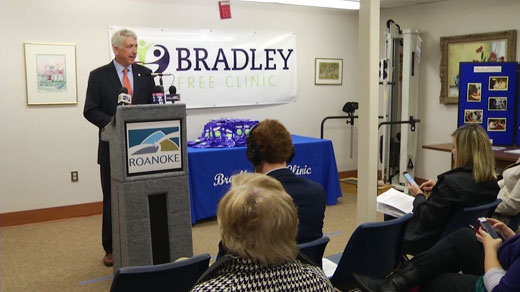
x: 509, y: 193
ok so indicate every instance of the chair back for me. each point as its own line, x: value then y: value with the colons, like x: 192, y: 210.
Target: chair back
x: 467, y: 216
x: 314, y: 249
x: 374, y: 249
x: 178, y: 276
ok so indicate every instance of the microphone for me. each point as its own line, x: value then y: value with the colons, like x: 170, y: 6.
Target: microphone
x: 124, y: 98
x: 158, y: 95
x: 172, y: 90
x: 173, y: 96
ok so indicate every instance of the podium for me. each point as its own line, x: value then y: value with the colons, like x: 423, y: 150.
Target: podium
x: 151, y: 220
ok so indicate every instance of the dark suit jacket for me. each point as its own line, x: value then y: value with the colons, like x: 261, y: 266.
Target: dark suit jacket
x: 455, y: 190
x: 103, y: 89
x: 310, y: 200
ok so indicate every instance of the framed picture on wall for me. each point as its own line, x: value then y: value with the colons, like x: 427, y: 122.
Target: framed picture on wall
x: 50, y: 73
x: 484, y: 47
x: 328, y: 71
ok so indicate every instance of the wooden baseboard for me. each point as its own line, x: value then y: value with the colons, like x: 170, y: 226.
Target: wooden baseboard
x: 353, y: 173
x: 50, y: 214
x: 88, y: 209
x: 348, y: 173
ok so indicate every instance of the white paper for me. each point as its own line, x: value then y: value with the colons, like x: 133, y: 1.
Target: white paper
x: 329, y: 267
x: 395, y: 203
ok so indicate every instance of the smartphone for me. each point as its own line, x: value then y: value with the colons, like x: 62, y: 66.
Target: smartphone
x: 409, y: 178
x: 486, y: 226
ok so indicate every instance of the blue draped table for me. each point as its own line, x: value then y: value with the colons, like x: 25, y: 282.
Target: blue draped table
x: 210, y: 170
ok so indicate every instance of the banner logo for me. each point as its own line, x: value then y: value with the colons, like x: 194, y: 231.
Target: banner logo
x: 153, y: 146
x: 161, y: 56
x: 220, y: 68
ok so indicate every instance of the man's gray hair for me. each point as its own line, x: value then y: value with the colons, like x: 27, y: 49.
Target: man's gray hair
x: 118, y: 38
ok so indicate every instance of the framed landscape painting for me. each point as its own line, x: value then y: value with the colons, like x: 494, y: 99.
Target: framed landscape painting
x: 328, y: 71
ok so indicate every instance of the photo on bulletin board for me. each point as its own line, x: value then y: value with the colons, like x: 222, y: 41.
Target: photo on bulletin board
x: 496, y: 124
x: 498, y: 83
x: 497, y: 104
x: 473, y: 116
x: 474, y: 92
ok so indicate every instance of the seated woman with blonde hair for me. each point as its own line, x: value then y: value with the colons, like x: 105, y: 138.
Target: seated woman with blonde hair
x: 472, y: 182
x: 258, y: 224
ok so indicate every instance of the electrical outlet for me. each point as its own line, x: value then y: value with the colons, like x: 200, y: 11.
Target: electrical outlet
x: 74, y: 176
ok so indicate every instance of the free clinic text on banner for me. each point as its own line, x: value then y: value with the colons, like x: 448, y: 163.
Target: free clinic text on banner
x: 215, y: 68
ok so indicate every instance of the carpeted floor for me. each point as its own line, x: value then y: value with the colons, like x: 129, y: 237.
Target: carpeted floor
x: 67, y: 255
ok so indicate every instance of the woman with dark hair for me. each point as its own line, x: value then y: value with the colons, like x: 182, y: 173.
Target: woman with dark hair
x: 472, y: 182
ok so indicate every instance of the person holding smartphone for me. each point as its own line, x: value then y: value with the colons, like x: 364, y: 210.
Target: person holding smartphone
x: 487, y: 264
x: 472, y: 182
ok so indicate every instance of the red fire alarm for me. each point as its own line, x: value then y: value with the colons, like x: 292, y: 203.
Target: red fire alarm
x: 225, y: 9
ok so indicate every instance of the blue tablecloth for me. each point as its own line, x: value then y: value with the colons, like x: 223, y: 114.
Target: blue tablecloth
x: 210, y: 170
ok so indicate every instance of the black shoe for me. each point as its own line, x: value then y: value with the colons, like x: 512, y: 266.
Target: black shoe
x: 107, y: 260
x: 369, y: 284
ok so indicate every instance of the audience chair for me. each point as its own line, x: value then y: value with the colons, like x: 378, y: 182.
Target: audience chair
x: 374, y: 249
x: 178, y: 276
x: 467, y: 216
x: 314, y: 249
x: 514, y: 222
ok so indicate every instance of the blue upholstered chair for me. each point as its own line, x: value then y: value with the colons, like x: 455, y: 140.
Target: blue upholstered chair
x: 467, y: 216
x: 178, y: 276
x: 374, y: 249
x: 314, y: 249
x: 514, y: 222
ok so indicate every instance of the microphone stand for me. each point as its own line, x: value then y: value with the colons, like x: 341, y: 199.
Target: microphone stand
x: 161, y: 81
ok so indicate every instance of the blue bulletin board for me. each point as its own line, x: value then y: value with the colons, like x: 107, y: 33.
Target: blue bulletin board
x: 487, y: 96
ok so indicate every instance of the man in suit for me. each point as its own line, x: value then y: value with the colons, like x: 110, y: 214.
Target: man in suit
x: 269, y: 149
x: 104, y: 85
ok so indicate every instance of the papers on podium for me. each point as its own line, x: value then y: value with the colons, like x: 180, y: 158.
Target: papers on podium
x: 394, y: 203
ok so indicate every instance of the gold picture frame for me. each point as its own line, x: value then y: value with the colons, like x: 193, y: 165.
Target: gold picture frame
x: 328, y: 71
x: 484, y: 47
x: 50, y: 73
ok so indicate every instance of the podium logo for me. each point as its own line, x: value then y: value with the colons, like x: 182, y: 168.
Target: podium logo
x: 153, y: 146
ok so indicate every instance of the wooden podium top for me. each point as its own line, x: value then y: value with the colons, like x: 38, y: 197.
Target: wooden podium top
x: 500, y: 155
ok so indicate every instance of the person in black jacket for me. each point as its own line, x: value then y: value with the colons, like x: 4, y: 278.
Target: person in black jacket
x: 269, y: 149
x: 472, y: 182
x: 104, y: 85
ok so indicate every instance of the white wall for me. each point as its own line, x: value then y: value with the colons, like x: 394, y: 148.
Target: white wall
x: 40, y: 145
x: 434, y: 21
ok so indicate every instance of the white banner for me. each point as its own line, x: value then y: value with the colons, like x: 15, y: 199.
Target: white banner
x: 214, y: 68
